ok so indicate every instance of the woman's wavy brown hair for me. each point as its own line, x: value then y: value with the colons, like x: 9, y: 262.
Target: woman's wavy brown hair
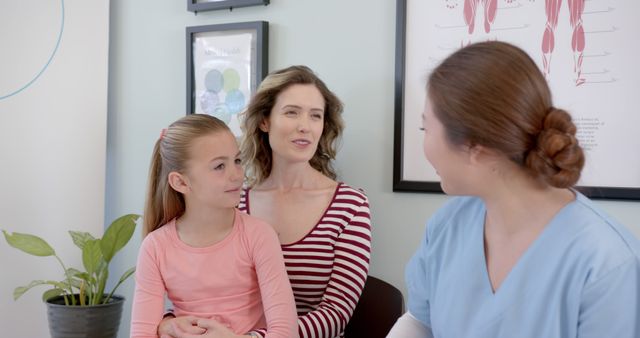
x: 493, y: 94
x: 255, y: 148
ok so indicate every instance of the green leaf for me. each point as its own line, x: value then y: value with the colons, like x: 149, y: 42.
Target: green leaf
x: 102, y: 282
x: 52, y: 293
x: 19, y: 291
x: 127, y: 274
x: 30, y: 244
x: 117, y: 235
x: 75, y: 282
x: 91, y: 256
x: 124, y: 277
x: 78, y: 274
x: 73, y: 272
x: 103, y: 266
x: 80, y: 238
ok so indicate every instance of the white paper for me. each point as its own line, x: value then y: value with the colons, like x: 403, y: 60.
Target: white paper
x: 601, y: 97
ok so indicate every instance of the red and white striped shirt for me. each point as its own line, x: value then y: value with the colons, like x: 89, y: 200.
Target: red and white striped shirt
x: 328, y: 267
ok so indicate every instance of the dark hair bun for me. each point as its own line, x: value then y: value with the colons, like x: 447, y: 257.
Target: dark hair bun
x: 557, y: 158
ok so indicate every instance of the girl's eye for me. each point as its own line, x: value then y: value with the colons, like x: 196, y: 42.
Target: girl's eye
x: 219, y: 166
x: 317, y: 116
x: 290, y: 112
x: 238, y: 161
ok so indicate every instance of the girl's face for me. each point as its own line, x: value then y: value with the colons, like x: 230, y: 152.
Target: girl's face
x: 214, y: 173
x: 450, y: 162
x: 296, y: 123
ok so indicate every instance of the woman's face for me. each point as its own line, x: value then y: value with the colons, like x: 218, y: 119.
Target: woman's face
x: 450, y: 162
x: 296, y: 123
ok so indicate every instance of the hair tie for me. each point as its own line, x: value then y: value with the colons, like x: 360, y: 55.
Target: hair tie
x: 163, y: 132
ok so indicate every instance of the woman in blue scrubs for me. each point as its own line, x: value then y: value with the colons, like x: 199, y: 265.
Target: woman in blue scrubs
x: 519, y: 253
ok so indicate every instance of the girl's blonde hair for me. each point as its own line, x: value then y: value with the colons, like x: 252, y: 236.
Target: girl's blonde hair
x: 171, y: 153
x: 255, y: 148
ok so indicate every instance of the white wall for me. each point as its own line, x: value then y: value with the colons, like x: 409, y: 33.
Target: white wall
x: 350, y: 44
x: 52, y: 141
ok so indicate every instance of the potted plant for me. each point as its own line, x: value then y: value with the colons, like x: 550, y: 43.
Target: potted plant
x: 77, y: 305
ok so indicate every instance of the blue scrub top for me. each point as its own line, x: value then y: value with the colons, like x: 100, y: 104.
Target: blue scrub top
x: 579, y: 278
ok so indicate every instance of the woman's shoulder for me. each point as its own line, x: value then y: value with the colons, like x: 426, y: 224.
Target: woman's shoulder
x: 461, y: 204
x: 598, y: 238
x: 346, y: 192
x: 456, y: 214
x: 597, y: 223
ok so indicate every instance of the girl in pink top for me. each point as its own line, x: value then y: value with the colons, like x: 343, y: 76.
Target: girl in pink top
x: 211, y: 260
x: 291, y: 130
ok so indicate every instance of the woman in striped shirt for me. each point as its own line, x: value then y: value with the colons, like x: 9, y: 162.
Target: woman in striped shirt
x: 291, y: 128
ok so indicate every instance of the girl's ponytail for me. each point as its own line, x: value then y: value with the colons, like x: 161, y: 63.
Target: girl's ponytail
x: 170, y: 154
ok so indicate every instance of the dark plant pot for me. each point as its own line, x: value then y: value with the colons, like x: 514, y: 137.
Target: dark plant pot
x: 96, y: 321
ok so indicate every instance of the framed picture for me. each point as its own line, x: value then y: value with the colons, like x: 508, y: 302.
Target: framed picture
x: 584, y: 56
x: 411, y: 171
x: 225, y: 64
x: 209, y: 5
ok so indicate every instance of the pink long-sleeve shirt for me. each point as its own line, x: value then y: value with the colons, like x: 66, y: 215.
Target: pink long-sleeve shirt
x: 240, y: 281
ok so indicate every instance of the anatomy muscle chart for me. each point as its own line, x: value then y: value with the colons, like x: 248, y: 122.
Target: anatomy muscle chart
x: 586, y: 50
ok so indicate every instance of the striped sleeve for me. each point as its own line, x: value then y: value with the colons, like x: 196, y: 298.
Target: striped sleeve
x: 350, y: 268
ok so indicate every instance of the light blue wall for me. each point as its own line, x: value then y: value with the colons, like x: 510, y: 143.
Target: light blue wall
x: 350, y: 44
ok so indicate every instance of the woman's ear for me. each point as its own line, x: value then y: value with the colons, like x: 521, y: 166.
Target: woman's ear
x: 479, y: 154
x: 264, y: 125
x: 178, y: 182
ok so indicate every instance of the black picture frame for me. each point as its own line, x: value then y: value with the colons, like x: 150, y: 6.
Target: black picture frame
x: 400, y: 183
x: 610, y: 193
x: 195, y: 6
x: 220, y: 51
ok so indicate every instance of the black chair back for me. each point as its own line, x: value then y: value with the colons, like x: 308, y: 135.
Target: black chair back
x: 380, y: 305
